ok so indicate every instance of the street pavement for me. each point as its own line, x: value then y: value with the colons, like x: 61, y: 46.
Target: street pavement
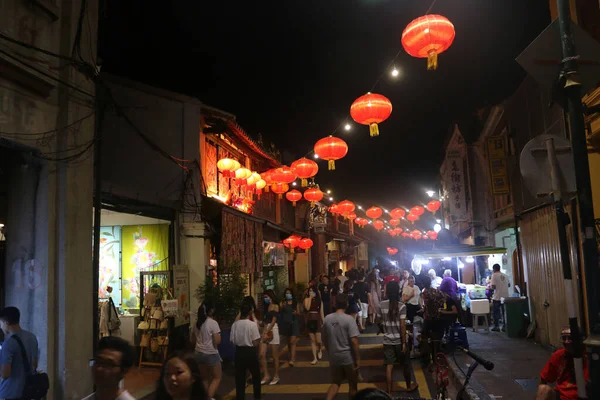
x: 305, y: 381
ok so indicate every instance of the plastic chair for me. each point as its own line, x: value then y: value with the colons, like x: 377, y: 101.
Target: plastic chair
x: 480, y: 309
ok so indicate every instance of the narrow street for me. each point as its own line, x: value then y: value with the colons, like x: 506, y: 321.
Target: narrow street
x: 306, y: 381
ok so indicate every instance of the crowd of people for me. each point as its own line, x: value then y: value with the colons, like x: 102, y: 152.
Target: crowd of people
x: 333, y: 311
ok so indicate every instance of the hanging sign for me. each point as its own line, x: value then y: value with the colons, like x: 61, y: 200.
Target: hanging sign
x: 181, y: 292
x: 496, y: 146
x: 455, y: 186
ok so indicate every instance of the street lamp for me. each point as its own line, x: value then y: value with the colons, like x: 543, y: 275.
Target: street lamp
x: 430, y: 193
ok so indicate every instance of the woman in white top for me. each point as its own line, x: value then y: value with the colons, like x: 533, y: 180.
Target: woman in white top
x: 411, y: 296
x: 206, y: 335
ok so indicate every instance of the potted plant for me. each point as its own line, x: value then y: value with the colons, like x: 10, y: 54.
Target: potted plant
x: 227, y: 293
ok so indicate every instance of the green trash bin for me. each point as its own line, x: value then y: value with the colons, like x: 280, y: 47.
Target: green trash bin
x: 517, y: 316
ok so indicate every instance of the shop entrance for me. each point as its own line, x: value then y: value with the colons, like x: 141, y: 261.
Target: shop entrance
x: 130, y: 245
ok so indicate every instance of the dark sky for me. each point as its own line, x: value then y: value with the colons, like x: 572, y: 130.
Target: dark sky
x: 290, y: 69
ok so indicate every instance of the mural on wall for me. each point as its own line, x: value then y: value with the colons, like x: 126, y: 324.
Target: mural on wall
x: 145, y: 248
x: 110, y: 263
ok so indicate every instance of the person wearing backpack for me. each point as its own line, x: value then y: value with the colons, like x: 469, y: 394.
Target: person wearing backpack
x: 19, y: 360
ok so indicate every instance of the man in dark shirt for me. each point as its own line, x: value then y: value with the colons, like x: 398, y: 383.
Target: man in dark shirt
x: 325, y: 291
x: 361, y: 289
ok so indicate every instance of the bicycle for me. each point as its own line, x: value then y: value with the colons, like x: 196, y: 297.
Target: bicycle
x: 441, y: 377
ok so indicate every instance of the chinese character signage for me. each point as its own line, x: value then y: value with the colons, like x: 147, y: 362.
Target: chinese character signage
x: 455, y: 186
x: 496, y: 146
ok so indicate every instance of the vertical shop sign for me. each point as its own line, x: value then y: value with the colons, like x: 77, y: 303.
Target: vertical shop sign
x: 455, y: 184
x: 181, y: 292
x: 496, y: 146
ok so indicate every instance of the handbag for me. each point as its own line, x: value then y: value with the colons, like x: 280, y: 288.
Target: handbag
x: 113, y: 324
x: 36, y: 383
x: 170, y: 307
x: 144, y: 325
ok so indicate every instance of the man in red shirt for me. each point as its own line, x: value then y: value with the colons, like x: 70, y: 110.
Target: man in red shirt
x: 560, y: 370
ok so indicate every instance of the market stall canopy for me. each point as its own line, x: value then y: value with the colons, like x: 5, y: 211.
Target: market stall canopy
x: 461, y: 250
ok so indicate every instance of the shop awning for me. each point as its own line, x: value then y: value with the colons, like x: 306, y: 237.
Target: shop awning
x: 461, y: 250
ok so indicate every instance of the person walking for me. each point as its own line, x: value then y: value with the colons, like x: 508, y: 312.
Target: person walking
x: 499, y: 283
x: 411, y: 296
x: 246, y: 338
x: 206, y: 336
x: 270, y: 338
x: 341, y: 335
x: 314, y: 309
x: 433, y: 328
x: 342, y: 278
x: 289, y: 327
x: 361, y: 290
x: 180, y: 379
x: 20, y: 352
x: 374, y: 298
x: 325, y: 292
x: 393, y: 313
x: 113, y: 359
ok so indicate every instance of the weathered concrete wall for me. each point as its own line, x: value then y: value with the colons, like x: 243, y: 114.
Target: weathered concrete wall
x: 130, y: 167
x: 50, y: 202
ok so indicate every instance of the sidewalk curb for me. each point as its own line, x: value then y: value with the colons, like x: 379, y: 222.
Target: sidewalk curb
x: 474, y: 391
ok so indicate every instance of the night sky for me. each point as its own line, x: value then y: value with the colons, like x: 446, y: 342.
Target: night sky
x: 290, y: 70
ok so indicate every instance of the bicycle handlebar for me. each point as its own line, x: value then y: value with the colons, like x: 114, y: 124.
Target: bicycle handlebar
x: 486, y: 364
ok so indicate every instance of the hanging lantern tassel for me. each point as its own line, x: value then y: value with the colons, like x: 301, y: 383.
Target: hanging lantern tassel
x: 294, y: 203
x: 304, y: 182
x: 258, y: 193
x: 281, y: 197
x: 267, y: 189
x: 432, y: 61
x: 291, y: 250
x: 374, y: 130
x: 331, y: 165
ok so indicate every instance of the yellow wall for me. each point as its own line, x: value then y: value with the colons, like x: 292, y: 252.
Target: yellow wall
x: 594, y: 159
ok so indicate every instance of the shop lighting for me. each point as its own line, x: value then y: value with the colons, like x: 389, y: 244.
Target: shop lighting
x: 460, y: 264
x: 437, y: 228
x: 447, y: 259
x: 470, y: 259
x: 329, y: 192
x: 294, y: 184
x: 347, y: 127
x: 430, y: 193
x: 385, y: 210
x: 360, y: 207
x: 316, y: 156
x: 395, y: 72
x: 331, y: 199
x: 439, y: 221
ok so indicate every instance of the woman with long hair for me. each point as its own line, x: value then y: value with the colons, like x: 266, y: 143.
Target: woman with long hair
x: 313, y: 306
x: 289, y: 326
x: 180, y: 379
x: 206, y: 336
x: 374, y: 299
x: 270, y: 338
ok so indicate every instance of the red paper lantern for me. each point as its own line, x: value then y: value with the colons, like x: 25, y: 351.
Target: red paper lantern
x: 291, y: 242
x: 304, y: 169
x: 392, y: 251
x: 351, y: 216
x: 268, y: 178
x: 378, y: 224
x: 371, y: 109
x: 313, y: 195
x: 362, y: 222
x: 305, y: 243
x: 405, y: 234
x: 346, y: 207
x: 412, y: 218
x: 334, y: 209
x: 331, y: 149
x: 293, y: 196
x: 428, y: 36
x: 433, y: 206
x: 374, y: 212
x: 417, y: 210
x: 227, y: 166
x: 397, y: 213
x: 392, y: 232
x: 284, y: 174
x: 416, y: 234
x: 432, y: 235
x: 394, y: 222
x: 280, y: 188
